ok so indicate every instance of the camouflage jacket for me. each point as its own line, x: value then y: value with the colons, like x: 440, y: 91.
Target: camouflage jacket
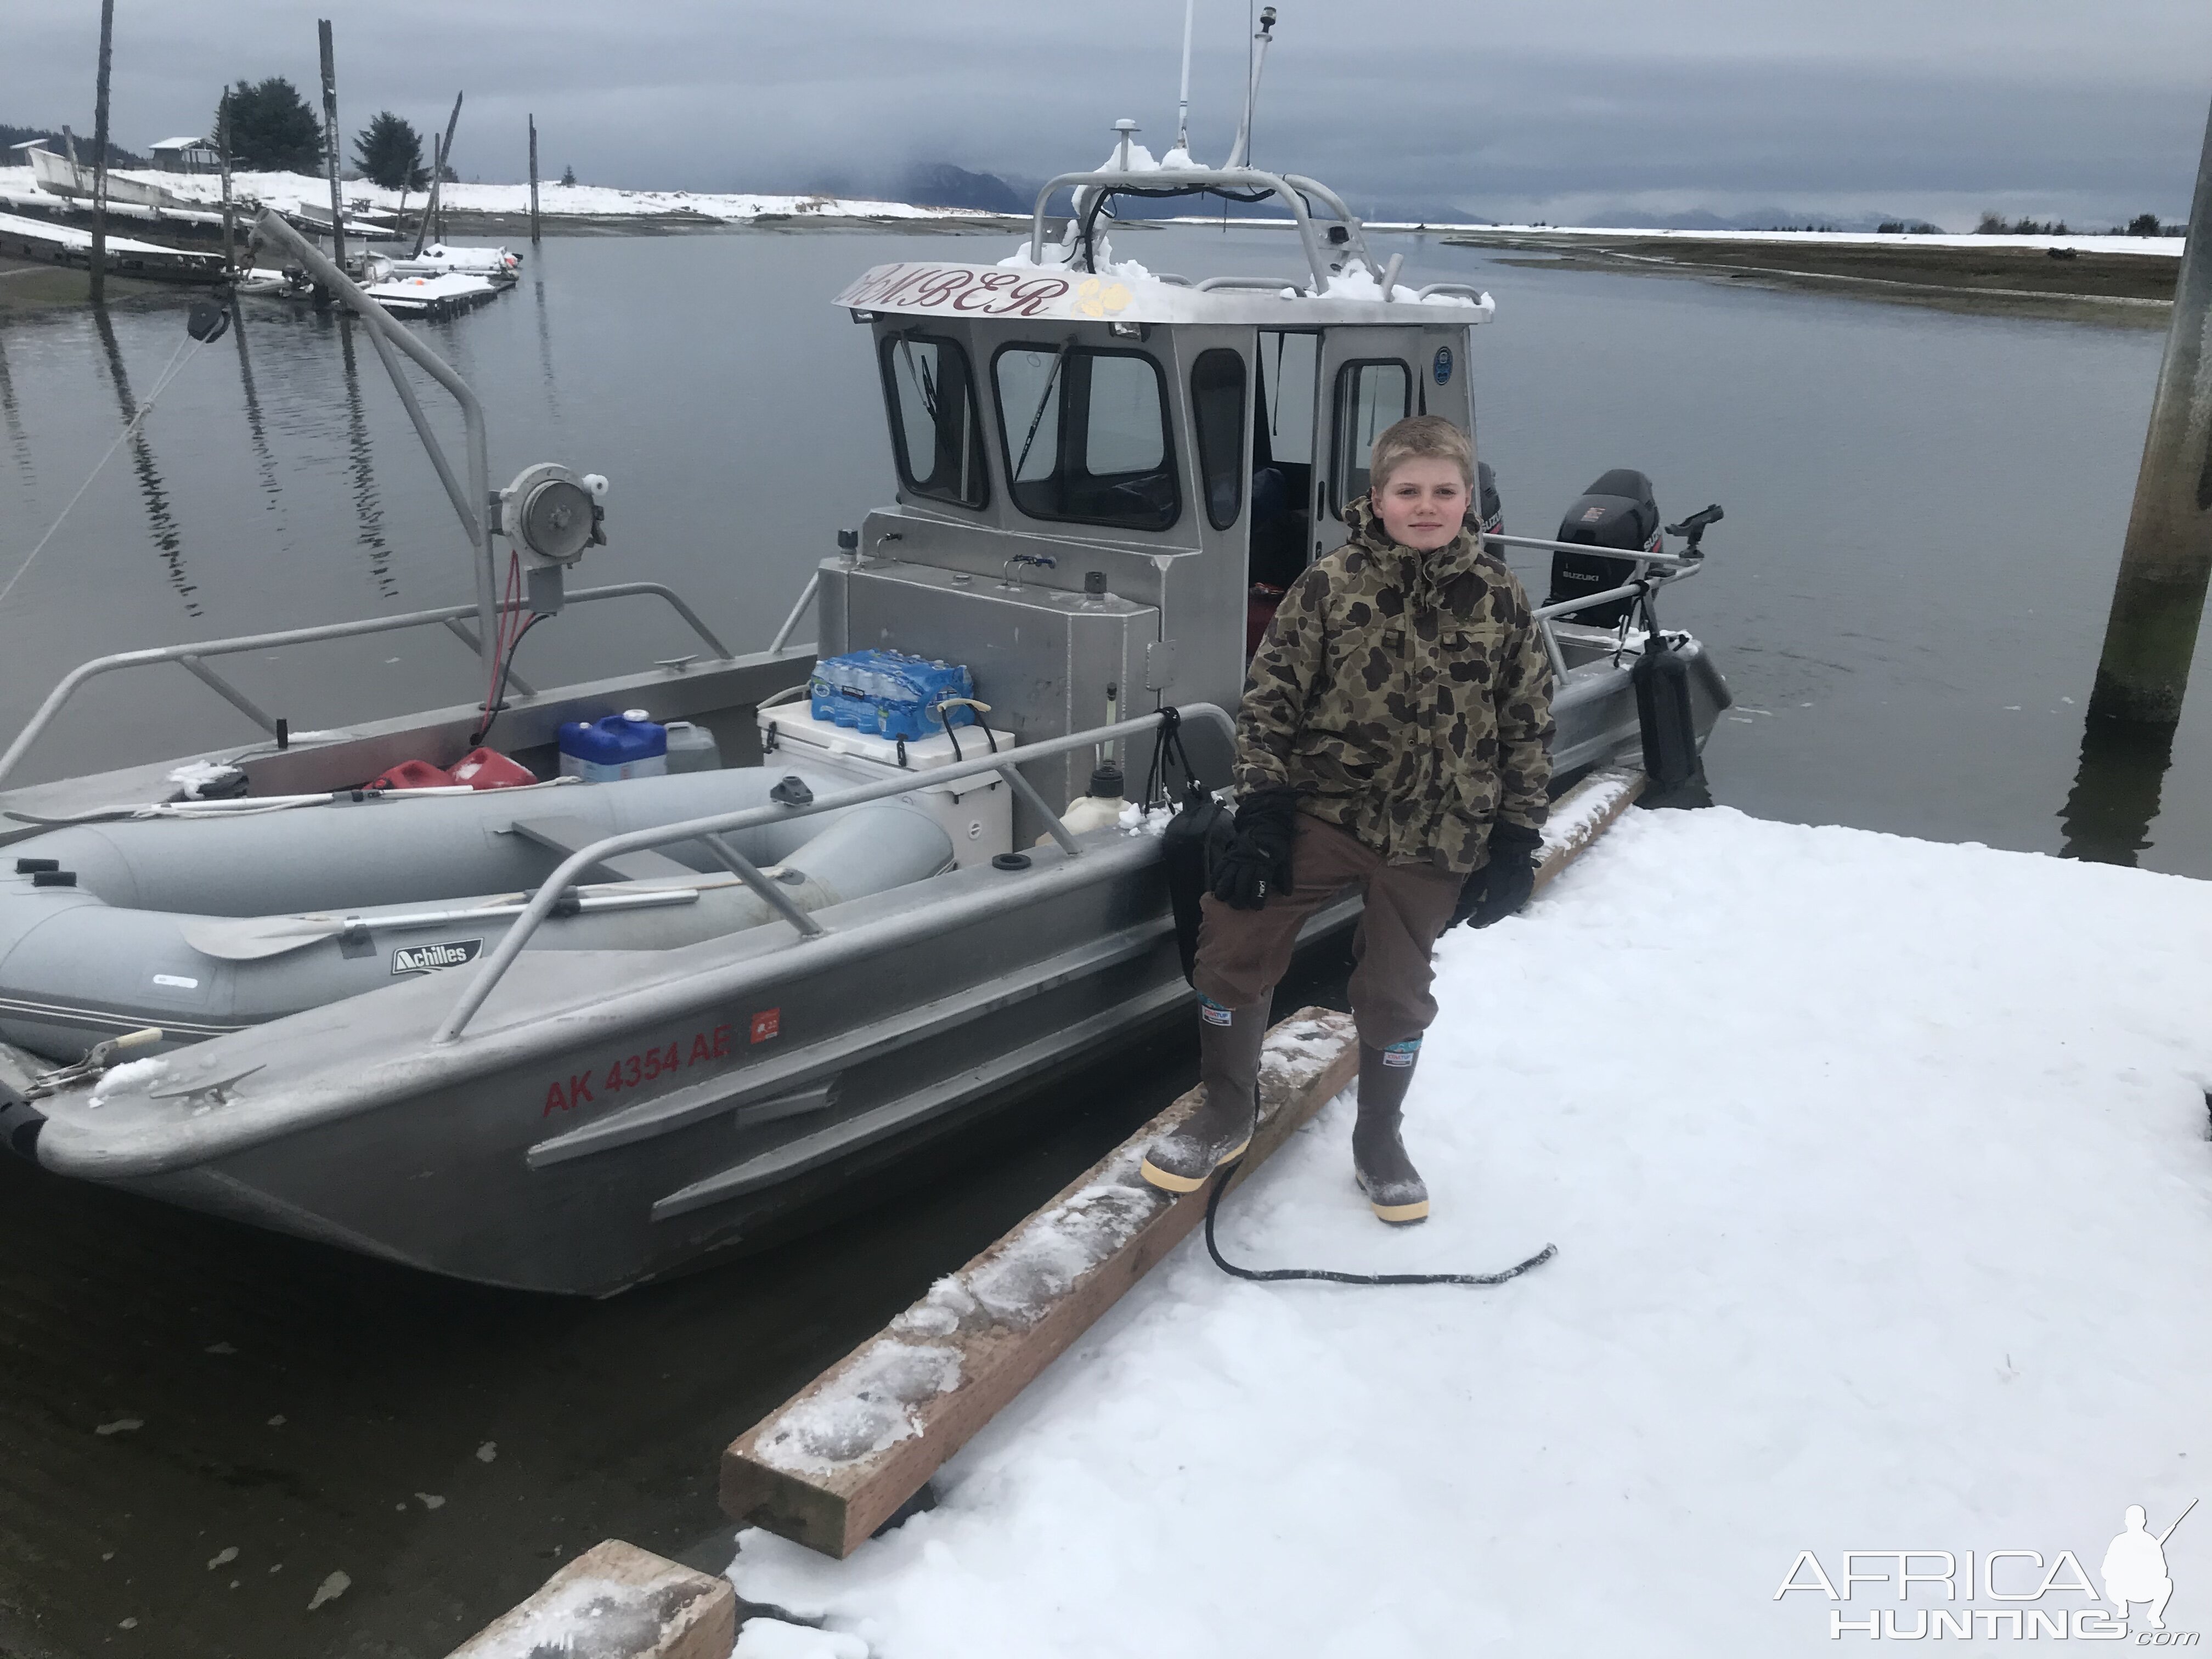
x: 1406, y: 695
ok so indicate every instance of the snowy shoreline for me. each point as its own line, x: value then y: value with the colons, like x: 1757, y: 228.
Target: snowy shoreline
x: 290, y: 190
x: 1880, y: 1175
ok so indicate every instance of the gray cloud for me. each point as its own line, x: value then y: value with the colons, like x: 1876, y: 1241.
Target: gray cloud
x: 1515, y: 108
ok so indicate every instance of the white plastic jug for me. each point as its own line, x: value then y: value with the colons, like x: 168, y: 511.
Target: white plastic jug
x: 1102, y: 806
x: 692, y: 748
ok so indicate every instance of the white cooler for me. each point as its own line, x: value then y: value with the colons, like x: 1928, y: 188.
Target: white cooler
x: 976, y: 812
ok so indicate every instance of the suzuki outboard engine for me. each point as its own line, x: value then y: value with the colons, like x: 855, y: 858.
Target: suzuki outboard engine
x: 1493, y: 514
x: 1616, y: 511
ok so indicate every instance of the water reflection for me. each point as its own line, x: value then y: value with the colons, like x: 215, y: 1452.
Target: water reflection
x: 257, y: 424
x: 2115, y: 799
x: 544, y: 340
x: 11, y: 415
x: 159, y: 518
x: 367, y: 506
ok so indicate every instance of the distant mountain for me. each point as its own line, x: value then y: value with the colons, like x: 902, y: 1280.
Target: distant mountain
x: 939, y: 184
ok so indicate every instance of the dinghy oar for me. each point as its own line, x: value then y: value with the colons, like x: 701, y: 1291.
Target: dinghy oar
x: 251, y: 939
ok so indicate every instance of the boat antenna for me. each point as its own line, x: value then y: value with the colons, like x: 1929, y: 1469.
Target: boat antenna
x: 1182, y: 105
x: 1257, y: 59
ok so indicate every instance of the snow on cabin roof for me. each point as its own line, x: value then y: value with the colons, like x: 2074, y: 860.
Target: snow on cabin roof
x: 1127, y: 293
x: 182, y: 143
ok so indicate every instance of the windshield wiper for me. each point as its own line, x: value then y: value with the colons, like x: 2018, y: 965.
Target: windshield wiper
x: 1043, y: 398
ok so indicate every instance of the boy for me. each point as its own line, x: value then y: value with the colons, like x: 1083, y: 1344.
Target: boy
x: 1394, y: 735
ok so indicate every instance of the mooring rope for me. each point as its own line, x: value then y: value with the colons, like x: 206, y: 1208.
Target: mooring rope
x: 175, y: 366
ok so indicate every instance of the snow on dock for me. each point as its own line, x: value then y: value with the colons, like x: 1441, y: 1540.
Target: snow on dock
x: 441, y: 295
x: 1880, y: 1181
x: 39, y: 239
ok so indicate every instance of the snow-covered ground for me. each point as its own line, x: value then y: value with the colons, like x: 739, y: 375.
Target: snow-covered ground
x: 1879, y: 1176
x: 289, y: 190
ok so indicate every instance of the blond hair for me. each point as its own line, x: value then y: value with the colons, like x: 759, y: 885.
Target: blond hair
x: 1417, y: 437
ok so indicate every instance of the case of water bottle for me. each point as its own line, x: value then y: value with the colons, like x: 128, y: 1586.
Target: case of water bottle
x: 888, y: 693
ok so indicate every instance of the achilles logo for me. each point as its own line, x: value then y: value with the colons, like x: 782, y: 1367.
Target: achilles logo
x: 2028, y: 1591
x: 428, y: 958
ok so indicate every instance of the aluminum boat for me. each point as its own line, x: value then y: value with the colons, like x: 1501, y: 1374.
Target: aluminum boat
x: 602, y: 1043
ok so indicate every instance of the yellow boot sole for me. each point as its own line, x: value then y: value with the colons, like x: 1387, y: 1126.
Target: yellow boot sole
x: 1168, y: 1181
x: 1400, y: 1215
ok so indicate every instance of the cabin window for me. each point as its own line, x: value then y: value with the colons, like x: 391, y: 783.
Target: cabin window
x: 1371, y: 396
x: 1086, y: 432
x: 1217, y: 401
x: 937, y: 431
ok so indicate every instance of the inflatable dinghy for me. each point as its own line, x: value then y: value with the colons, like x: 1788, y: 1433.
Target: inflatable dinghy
x: 203, y: 925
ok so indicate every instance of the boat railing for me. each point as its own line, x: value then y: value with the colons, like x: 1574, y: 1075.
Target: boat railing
x: 1669, y: 568
x: 193, y: 656
x: 713, y: 833
x: 1291, y: 189
x: 472, y: 500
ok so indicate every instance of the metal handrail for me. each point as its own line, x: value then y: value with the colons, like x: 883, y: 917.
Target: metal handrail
x: 1232, y: 178
x: 190, y: 655
x: 1634, y: 555
x: 543, y: 901
x: 1267, y: 284
x: 1547, y: 615
x: 1452, y: 290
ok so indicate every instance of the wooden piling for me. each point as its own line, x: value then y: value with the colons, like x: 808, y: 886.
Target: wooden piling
x: 533, y: 177
x: 333, y: 140
x: 843, y: 1456
x: 440, y: 154
x: 229, y: 205
x: 100, y: 155
x: 2158, y: 599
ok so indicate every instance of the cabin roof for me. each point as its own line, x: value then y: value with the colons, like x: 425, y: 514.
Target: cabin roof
x: 1129, y: 294
x: 183, y: 143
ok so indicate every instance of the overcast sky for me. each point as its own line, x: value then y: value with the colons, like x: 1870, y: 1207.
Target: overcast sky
x: 2088, y: 110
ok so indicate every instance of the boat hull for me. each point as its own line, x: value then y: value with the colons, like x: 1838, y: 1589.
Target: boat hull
x: 611, y: 1117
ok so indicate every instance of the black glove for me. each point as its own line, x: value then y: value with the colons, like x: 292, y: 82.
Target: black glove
x: 1502, y: 885
x: 1258, y: 861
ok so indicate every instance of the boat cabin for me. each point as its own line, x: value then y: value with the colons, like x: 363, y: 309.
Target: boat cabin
x: 1106, y: 475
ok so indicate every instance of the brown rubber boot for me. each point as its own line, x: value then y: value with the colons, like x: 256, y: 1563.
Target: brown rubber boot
x: 1394, y: 1186
x: 1229, y: 1042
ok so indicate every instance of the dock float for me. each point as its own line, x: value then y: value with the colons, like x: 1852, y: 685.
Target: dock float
x: 848, y: 1452
x: 64, y: 245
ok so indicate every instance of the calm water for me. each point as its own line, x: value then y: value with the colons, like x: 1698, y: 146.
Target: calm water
x: 1924, y: 514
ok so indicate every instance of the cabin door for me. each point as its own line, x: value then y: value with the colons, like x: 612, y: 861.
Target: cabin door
x: 1366, y: 380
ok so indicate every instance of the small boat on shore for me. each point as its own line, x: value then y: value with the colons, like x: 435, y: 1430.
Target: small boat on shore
x: 570, y: 1036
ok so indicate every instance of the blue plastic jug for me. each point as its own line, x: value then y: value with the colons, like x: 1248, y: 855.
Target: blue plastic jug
x: 624, y: 745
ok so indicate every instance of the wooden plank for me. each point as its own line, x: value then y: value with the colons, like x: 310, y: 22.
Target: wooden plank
x: 839, y: 1458
x: 616, y: 1601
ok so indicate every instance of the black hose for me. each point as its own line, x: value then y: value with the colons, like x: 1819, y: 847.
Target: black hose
x: 506, y: 668
x: 1267, y: 1276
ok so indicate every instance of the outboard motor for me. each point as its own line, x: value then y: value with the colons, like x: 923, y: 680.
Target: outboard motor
x: 1616, y: 511
x: 1493, y: 511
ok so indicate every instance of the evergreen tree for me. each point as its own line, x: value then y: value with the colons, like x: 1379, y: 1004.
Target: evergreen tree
x: 271, y: 128
x: 390, y: 152
x: 567, y: 175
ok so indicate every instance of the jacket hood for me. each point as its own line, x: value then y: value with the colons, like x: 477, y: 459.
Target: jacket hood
x: 1419, y: 572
